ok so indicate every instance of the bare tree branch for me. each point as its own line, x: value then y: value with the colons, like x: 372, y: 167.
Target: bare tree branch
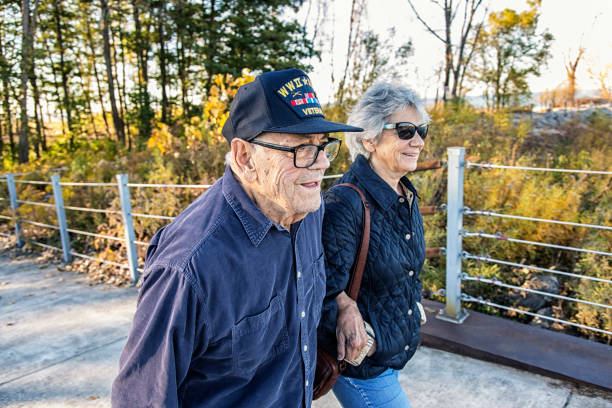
x: 425, y: 24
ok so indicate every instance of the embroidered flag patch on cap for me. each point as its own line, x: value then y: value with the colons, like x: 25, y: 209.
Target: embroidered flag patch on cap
x: 299, y: 95
x: 278, y: 101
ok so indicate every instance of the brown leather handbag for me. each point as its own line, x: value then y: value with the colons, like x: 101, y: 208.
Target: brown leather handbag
x: 328, y: 367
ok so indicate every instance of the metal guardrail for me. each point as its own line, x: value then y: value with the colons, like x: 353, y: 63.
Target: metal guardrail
x: 122, y: 186
x: 453, y: 251
x: 455, y: 232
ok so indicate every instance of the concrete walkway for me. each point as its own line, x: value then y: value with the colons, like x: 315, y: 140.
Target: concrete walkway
x: 60, y: 341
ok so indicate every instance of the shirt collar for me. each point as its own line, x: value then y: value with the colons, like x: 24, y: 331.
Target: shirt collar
x: 382, y: 192
x: 255, y: 223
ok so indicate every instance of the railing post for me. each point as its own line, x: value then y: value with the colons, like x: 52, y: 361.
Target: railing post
x: 58, y: 198
x: 10, y: 181
x: 128, y: 224
x: 454, y: 223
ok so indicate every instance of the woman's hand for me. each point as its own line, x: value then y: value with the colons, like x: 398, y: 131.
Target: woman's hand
x: 350, y: 330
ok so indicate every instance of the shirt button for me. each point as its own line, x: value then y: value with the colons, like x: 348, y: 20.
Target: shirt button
x: 305, y: 348
x: 299, y: 274
x: 410, y: 273
x: 410, y: 312
x: 303, y: 313
x: 407, y: 236
x: 307, y: 383
x: 407, y: 348
x: 401, y: 199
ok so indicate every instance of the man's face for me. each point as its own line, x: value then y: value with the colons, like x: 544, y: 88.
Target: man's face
x: 283, y: 188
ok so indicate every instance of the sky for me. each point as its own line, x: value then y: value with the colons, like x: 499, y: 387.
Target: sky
x: 572, y: 23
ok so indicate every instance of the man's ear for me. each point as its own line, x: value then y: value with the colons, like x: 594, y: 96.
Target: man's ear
x: 242, y: 155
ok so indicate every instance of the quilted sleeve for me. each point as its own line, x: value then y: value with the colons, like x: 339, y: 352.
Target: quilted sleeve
x: 341, y: 234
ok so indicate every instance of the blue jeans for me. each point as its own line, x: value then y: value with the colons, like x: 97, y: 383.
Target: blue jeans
x: 383, y: 391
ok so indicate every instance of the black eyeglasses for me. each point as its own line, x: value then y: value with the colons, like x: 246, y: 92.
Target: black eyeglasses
x: 407, y: 130
x: 305, y: 155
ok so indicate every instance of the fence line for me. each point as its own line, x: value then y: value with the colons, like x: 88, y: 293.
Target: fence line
x: 498, y: 166
x: 35, y: 203
x: 93, y: 210
x: 467, y: 298
x: 454, y: 209
x: 40, y: 224
x: 91, y: 234
x: 486, y: 258
x: 170, y: 185
x: 466, y: 233
x: 497, y: 282
x: 468, y: 211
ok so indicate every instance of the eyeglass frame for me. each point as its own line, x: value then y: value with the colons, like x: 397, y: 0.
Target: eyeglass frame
x: 390, y: 126
x: 295, y: 149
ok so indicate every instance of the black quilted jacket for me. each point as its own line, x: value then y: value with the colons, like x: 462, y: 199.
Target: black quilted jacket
x: 391, y: 285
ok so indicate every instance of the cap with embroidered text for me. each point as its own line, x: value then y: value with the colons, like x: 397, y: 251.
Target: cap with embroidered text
x: 278, y: 101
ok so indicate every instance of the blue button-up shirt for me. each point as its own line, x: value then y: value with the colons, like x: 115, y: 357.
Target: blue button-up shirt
x: 228, y: 309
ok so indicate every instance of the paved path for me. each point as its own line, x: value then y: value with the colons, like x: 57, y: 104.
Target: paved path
x: 60, y: 341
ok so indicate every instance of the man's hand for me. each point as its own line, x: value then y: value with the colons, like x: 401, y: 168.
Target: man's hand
x: 350, y: 330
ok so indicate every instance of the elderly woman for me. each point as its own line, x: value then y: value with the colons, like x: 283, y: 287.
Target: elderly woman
x: 396, y: 125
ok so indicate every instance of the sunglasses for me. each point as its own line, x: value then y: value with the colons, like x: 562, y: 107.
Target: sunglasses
x: 407, y: 130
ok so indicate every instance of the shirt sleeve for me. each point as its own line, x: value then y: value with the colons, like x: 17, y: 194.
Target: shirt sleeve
x: 166, y: 330
x: 341, y: 236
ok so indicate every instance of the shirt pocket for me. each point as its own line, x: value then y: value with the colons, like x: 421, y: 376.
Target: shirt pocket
x: 259, y: 338
x: 316, y: 287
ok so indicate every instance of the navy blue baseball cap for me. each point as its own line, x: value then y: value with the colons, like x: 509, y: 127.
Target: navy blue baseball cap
x: 278, y: 101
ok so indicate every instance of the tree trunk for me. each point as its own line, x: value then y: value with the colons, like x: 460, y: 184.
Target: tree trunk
x: 162, y: 62
x: 63, y: 70
x: 33, y: 81
x: 85, y: 85
x: 144, y: 99
x: 25, y: 69
x: 55, y: 85
x: 117, y: 121
x: 5, y: 100
x: 448, y: 8
x: 92, y: 49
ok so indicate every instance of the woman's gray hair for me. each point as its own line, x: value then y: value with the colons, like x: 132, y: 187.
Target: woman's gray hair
x: 373, y: 110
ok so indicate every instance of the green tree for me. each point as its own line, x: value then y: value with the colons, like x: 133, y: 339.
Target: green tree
x: 509, y: 51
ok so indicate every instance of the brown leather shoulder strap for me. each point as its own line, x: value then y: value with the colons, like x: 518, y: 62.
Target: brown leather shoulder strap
x: 362, y: 253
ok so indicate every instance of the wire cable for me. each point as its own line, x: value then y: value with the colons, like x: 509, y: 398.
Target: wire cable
x: 486, y: 258
x: 467, y: 298
x: 467, y: 211
x: 466, y: 233
x: 497, y: 282
x: 499, y: 166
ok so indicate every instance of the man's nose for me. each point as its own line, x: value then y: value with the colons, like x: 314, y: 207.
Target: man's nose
x: 322, y: 161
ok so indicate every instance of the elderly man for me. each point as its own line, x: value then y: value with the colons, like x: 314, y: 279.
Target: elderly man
x: 233, y: 287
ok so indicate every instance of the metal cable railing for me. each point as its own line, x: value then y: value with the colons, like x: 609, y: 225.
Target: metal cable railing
x: 466, y: 233
x: 169, y: 185
x: 455, y: 254
x: 91, y: 234
x: 39, y: 224
x: 74, y: 184
x: 93, y: 210
x: 36, y: 203
x: 486, y: 258
x: 497, y: 282
x: 159, y: 217
x: 467, y: 298
x: 43, y: 183
x: 468, y: 211
x: 498, y: 166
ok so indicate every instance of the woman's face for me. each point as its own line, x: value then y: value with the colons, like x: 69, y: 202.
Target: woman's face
x: 397, y: 156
